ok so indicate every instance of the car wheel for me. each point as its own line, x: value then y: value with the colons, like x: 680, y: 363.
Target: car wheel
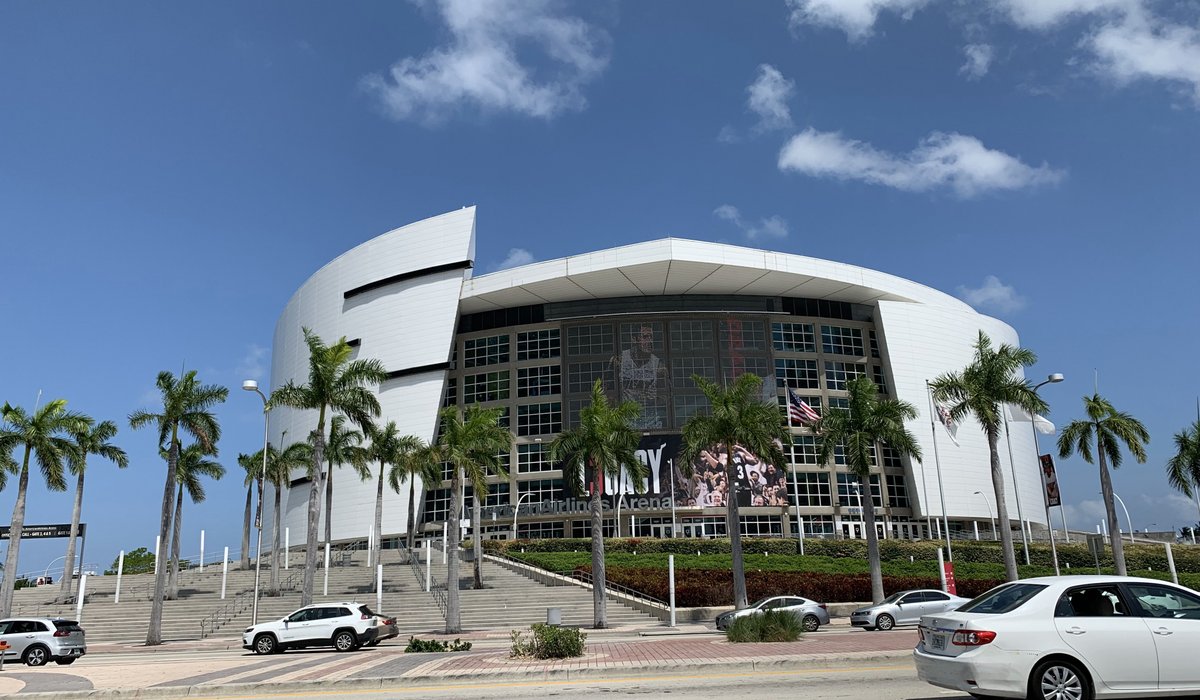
x: 1059, y: 679
x: 265, y: 644
x: 811, y: 623
x: 885, y: 622
x: 36, y: 656
x: 65, y: 662
x: 344, y: 641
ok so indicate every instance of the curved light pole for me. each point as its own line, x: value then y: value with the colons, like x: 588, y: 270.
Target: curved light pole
x: 1127, y: 518
x: 1054, y: 378
x: 991, y: 518
x: 517, y: 510
x: 251, y: 385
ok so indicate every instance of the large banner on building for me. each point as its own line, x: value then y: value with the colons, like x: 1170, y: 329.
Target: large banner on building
x: 1050, y: 479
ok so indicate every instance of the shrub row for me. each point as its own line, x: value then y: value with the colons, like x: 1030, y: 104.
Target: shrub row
x: 771, y: 626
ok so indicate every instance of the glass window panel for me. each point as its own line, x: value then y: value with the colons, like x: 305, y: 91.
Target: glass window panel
x: 796, y: 374
x: 539, y: 381
x: 479, y: 352
x: 840, y: 340
x: 793, y: 337
x: 538, y: 345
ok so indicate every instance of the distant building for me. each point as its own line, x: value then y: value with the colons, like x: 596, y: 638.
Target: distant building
x: 644, y: 318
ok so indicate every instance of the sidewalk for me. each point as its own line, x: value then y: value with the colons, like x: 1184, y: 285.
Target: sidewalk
x: 213, y: 669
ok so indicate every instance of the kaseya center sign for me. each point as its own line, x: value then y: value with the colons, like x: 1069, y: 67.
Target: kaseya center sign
x: 39, y: 532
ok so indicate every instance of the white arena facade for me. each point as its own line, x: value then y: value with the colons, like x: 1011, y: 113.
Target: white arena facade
x: 644, y: 318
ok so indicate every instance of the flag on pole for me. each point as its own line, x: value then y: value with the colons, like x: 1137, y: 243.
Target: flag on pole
x: 1040, y: 423
x: 947, y: 422
x: 799, y: 410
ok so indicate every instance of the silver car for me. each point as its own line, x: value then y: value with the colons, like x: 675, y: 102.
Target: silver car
x: 905, y: 608
x: 36, y: 641
x: 811, y: 613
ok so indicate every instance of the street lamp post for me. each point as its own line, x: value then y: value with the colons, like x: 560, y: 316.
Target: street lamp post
x: 251, y: 385
x: 1127, y: 518
x: 991, y: 518
x: 1054, y: 378
x: 517, y: 511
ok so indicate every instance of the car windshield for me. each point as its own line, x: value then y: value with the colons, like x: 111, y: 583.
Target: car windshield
x: 762, y: 602
x: 1003, y: 599
x: 892, y: 598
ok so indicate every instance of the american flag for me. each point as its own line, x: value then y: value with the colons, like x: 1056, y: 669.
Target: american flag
x: 799, y: 410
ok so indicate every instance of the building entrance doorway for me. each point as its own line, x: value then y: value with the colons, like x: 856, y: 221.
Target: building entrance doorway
x: 660, y: 531
x: 853, y: 530
x: 696, y: 530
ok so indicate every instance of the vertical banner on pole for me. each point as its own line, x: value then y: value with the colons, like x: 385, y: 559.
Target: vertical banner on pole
x: 326, y: 593
x: 224, y: 572
x: 671, y: 584
x: 82, y: 591
x: 378, y: 587
x: 120, y: 570
x: 202, y: 551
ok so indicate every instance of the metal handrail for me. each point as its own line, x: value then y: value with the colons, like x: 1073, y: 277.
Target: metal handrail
x: 567, y: 578
x: 438, y: 590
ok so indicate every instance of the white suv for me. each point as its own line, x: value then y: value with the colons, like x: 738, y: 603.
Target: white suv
x: 344, y: 626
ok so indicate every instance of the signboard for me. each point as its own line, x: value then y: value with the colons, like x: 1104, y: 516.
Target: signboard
x: 1050, y: 479
x: 1096, y: 545
x: 948, y: 568
x: 36, y: 532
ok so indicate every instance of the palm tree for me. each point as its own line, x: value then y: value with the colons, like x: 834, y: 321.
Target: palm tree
x: 252, y: 469
x: 193, y: 463
x: 90, y: 439
x: 1108, y: 427
x: 44, y: 436
x: 336, y: 384
x: 868, y: 422
x: 186, y: 408
x: 387, y: 447
x: 980, y: 390
x: 604, y: 444
x: 344, y: 447
x: 1183, y: 469
x: 739, y: 417
x: 470, y: 443
x: 421, y: 462
x: 280, y: 465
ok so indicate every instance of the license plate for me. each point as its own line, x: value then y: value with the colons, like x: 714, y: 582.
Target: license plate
x: 937, y: 641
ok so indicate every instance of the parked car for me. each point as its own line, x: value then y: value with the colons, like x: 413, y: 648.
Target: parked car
x: 385, y: 628
x: 904, y: 608
x: 36, y: 641
x: 343, y: 626
x: 1067, y: 637
x: 811, y: 613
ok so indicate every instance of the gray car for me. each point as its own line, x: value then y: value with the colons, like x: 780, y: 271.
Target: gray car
x: 905, y: 608
x: 36, y: 641
x: 811, y: 613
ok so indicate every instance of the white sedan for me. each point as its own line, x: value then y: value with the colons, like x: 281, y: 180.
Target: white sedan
x: 1067, y: 638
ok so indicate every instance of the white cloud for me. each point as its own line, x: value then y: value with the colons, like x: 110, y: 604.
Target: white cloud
x: 253, y: 363
x: 484, y: 65
x: 979, y: 60
x: 516, y: 258
x: 855, y: 17
x: 959, y: 162
x: 728, y: 134
x: 1085, y: 515
x: 992, y: 295
x: 1043, y: 14
x: 770, y: 227
x: 1138, y: 47
x: 768, y: 98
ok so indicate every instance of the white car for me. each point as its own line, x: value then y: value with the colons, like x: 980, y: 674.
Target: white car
x: 1067, y: 638
x: 343, y: 626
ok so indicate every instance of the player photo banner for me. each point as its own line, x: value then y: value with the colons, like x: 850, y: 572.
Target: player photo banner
x: 1050, y: 479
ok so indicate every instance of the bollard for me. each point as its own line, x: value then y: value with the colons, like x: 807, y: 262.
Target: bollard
x: 444, y: 534
x: 554, y: 617
x: 671, y: 584
x: 120, y: 569
x: 326, y: 593
x: 378, y: 587
x: 79, y: 603
x: 370, y: 544
x: 202, y: 551
x: 287, y: 545
x: 1171, y: 564
x: 157, y: 547
x: 224, y: 572
x: 428, y: 564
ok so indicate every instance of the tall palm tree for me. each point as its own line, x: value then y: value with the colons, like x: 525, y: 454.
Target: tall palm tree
x: 739, y: 417
x: 193, y: 463
x: 603, y: 444
x: 186, y: 408
x: 868, y: 422
x: 90, y: 439
x: 44, y: 435
x: 981, y: 389
x: 1108, y: 427
x: 387, y: 447
x: 1183, y: 469
x: 252, y: 469
x: 336, y: 384
x: 470, y: 443
x: 344, y: 447
x: 280, y: 466
x: 421, y: 462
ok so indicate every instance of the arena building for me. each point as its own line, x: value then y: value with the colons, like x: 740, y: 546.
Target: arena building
x: 644, y: 318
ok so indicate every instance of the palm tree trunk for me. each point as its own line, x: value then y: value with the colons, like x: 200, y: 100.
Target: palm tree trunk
x: 68, y: 578
x: 246, y: 528
x: 1006, y: 538
x: 412, y: 512
x: 599, y: 576
x: 733, y: 527
x: 329, y: 503
x: 378, y: 544
x: 477, y: 543
x: 453, y: 613
x: 154, y: 633
x: 173, y: 581
x: 1114, y: 528
x: 314, y: 514
x: 275, y: 543
x: 872, y: 539
x: 14, y: 538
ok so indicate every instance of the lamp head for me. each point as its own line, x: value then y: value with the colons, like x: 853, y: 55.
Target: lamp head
x: 1054, y: 378
x: 250, y: 385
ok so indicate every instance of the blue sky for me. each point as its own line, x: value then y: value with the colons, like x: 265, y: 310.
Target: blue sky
x: 170, y: 174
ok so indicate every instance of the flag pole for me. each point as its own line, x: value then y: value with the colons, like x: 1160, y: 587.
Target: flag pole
x: 938, y: 466
x: 1017, y: 490
x: 795, y: 474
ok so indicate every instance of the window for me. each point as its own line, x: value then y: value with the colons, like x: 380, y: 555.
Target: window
x: 582, y: 529
x: 590, y: 340
x: 1003, y: 598
x: 682, y: 369
x: 877, y: 373
x: 488, y: 386
x: 761, y: 525
x: 793, y: 337
x: 734, y: 367
x: 539, y: 419
x: 839, y: 403
x: 538, y: 345
x: 839, y: 340
x: 437, y: 505
x: 691, y: 336
x: 646, y: 336
x: 816, y: 525
x: 891, y: 458
x: 687, y: 406
x: 803, y: 450
x: 1164, y: 601
x: 874, y: 344
x: 897, y: 491
x: 582, y: 375
x: 539, y: 381
x: 533, y: 458
x: 739, y: 336
x: 497, y: 495
x: 539, y: 531
x: 479, y: 352
x: 796, y: 374
x: 811, y: 488
x: 541, y: 490
x: 574, y: 407
x: 838, y: 373
x: 849, y: 491
x: 451, y: 397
